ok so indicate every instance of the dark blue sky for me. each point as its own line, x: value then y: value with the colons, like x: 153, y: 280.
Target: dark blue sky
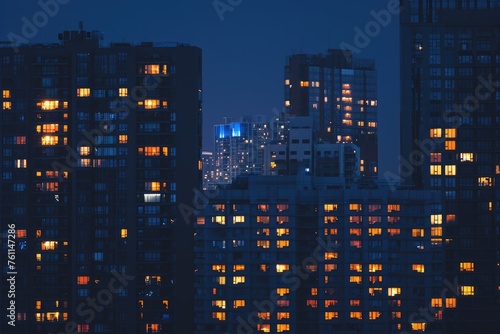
x: 243, y: 55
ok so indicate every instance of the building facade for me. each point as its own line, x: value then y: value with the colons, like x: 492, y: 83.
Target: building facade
x: 239, y: 147
x: 450, y: 70
x: 298, y: 254
x: 339, y: 92
x: 99, y: 145
x: 300, y: 153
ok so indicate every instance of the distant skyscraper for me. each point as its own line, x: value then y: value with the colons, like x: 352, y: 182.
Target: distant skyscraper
x: 239, y: 147
x: 340, y: 94
x: 299, y: 154
x: 281, y: 254
x: 208, y: 168
x: 450, y: 141
x: 99, y: 146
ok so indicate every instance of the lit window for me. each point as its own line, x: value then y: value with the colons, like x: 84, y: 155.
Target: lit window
x: 356, y: 267
x: 124, y: 233
x: 239, y: 303
x: 152, y: 69
x: 466, y: 266
x: 374, y: 231
x: 219, y: 268
x: 84, y: 150
x: 19, y: 140
x: 372, y: 124
x: 49, y: 245
x: 437, y: 302
x: 151, y: 104
x: 219, y: 315
x: 221, y: 280
x: 6, y: 94
x: 450, y: 133
x: 48, y: 105
x: 485, y: 182
x: 122, y: 92
x: 450, y: 145
x: 238, y: 267
x: 122, y: 139
x: 435, y: 169
x: 219, y: 303
x: 312, y: 302
x: 451, y: 302
x: 355, y: 207
x: 374, y: 291
x: 38, y: 304
x: 282, y: 291
x: 391, y: 292
x: 436, y: 231
x: 238, y: 219
x: 6, y: 105
x: 20, y: 163
x: 304, y: 84
x: 266, y: 328
x: 330, y: 267
x: 152, y: 186
x: 356, y: 279
x: 282, y: 231
x: 331, y: 231
x: 282, y: 243
x: 435, y: 157
x: 330, y: 219
x: 393, y: 207
x: 356, y: 315
x: 393, y: 231
x: 355, y: 302
x: 263, y: 219
x: 355, y: 231
x: 435, y: 133
x: 83, y: 92
x: 50, y: 140
x: 373, y: 315
x: 330, y: 207
x: 436, y: 219
x: 419, y: 268
x: 283, y: 315
x: 450, y: 170
x: 21, y: 234
x: 418, y: 326
x: 264, y: 315
x: 331, y: 255
x: 221, y: 220
x: 263, y: 207
x: 238, y: 279
x: 263, y: 243
x: 417, y: 232
x: 331, y: 315
x: 152, y: 151
x: 282, y: 268
x: 82, y: 280
x: 281, y: 207
x: 466, y: 157
x: 374, y: 267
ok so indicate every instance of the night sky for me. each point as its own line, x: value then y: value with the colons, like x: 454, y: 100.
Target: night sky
x: 244, y: 54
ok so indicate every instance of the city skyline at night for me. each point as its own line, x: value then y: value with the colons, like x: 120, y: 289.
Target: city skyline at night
x: 247, y: 167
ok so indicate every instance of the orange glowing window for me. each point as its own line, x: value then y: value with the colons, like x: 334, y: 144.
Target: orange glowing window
x: 82, y: 280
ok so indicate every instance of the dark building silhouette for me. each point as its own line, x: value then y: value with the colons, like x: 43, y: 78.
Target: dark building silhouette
x: 339, y: 93
x: 450, y: 141
x: 303, y: 254
x: 99, y: 146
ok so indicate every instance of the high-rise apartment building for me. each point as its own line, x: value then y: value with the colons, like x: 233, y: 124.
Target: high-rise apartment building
x: 339, y: 92
x: 299, y: 153
x: 99, y: 145
x: 450, y: 141
x: 299, y: 254
x: 239, y: 147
